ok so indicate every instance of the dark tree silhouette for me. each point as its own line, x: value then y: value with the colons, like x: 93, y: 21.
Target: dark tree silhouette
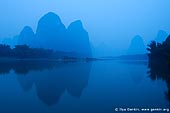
x: 159, y: 62
x: 159, y: 51
x: 24, y: 51
x: 5, y: 50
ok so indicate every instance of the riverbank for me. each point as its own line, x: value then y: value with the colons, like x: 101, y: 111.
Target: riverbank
x: 67, y: 59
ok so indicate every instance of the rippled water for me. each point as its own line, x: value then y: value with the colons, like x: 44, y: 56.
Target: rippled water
x: 78, y: 87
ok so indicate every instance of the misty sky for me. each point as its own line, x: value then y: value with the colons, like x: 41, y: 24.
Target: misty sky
x: 110, y: 23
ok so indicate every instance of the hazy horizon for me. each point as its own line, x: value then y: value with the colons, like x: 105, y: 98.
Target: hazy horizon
x: 110, y: 23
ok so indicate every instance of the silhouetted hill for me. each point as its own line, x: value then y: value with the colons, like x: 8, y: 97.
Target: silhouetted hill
x: 78, y: 39
x: 51, y: 32
x: 137, y: 46
x: 26, y: 36
x: 161, y: 36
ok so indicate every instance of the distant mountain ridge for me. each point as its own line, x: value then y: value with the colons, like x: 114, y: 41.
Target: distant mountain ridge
x: 26, y: 36
x: 137, y: 46
x: 76, y: 31
x: 51, y: 33
x: 161, y: 36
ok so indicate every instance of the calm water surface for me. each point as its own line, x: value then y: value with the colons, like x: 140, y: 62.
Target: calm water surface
x: 78, y: 87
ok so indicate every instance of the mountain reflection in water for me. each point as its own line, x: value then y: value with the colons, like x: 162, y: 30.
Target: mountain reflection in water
x: 51, y: 79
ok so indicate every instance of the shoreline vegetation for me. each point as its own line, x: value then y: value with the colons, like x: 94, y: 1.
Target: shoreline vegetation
x: 25, y: 53
x: 159, y: 52
x: 159, y: 63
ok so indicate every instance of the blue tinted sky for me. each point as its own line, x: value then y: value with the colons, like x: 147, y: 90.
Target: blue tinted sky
x: 111, y: 22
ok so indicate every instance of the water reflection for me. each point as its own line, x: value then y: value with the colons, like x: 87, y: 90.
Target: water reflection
x: 51, y: 79
x: 137, y: 73
x: 24, y: 67
x: 160, y: 70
